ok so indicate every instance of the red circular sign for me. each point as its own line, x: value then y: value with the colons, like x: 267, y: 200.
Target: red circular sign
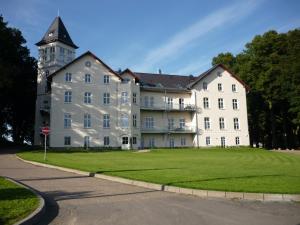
x: 45, y: 130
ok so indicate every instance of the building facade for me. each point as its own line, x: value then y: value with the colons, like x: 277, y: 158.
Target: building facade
x: 87, y: 104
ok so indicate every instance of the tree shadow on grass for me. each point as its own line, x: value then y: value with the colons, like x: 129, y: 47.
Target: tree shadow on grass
x: 15, y: 194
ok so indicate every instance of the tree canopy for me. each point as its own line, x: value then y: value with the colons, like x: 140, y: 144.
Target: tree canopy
x: 270, y: 65
x: 17, y: 86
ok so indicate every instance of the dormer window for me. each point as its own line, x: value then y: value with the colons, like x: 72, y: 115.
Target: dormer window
x: 50, y: 34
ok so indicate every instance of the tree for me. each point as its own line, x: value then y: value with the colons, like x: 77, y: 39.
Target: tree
x: 17, y: 85
x: 270, y: 65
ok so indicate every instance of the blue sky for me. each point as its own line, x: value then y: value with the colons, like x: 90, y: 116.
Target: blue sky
x: 179, y: 37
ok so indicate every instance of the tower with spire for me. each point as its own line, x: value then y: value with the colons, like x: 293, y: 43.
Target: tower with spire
x: 56, y: 49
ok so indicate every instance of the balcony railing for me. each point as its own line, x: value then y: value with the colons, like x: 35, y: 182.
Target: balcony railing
x: 185, y: 130
x: 45, y: 109
x: 168, y: 107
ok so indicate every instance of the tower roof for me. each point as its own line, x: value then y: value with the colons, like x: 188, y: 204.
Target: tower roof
x: 57, y: 32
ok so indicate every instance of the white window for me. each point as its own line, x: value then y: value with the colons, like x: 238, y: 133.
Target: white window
x: 124, y: 140
x: 207, y: 140
x: 68, y: 77
x: 134, y: 140
x: 221, y: 103
x: 236, y: 124
x: 134, y: 97
x: 151, y: 101
x: 124, y: 98
x: 235, y: 104
x: 67, y: 140
x: 204, y: 85
x: 183, y: 141
x: 106, y: 98
x: 124, y: 120
x: 222, y: 123
x: 182, y: 123
x: 170, y: 103
x: 68, y: 96
x: 205, y: 103
x: 87, y: 97
x: 146, y: 101
x: 237, y: 140
x: 233, y: 88
x: 87, y: 78
x: 87, y: 121
x: 149, y: 122
x: 86, y: 141
x: 134, y: 120
x: 106, y: 140
x: 220, y: 88
x: 67, y: 120
x: 106, y: 121
x: 106, y: 79
x: 151, y: 142
x: 61, y: 51
x: 181, y: 103
x: 171, y: 124
x: 223, y: 142
x: 206, y: 123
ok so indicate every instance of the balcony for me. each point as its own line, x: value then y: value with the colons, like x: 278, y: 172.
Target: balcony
x: 168, y: 107
x: 45, y: 109
x: 166, y: 130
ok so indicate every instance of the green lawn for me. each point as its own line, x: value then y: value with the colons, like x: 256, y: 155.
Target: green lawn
x: 15, y: 202
x: 239, y: 170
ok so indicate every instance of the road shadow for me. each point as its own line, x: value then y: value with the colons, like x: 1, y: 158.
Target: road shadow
x: 54, y: 178
x: 51, y: 210
x: 63, y: 195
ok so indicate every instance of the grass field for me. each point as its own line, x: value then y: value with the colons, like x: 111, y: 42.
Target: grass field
x: 243, y: 169
x: 15, y: 202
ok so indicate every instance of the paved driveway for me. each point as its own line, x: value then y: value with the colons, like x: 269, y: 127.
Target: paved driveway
x: 74, y: 199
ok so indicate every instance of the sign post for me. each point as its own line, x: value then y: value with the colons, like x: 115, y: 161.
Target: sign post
x: 45, y: 132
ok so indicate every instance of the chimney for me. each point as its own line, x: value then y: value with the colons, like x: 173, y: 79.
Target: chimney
x: 159, y: 71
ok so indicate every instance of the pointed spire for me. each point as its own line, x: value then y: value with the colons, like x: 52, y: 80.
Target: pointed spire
x: 57, y: 32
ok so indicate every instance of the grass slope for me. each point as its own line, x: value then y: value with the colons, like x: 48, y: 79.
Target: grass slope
x: 241, y: 170
x: 15, y: 202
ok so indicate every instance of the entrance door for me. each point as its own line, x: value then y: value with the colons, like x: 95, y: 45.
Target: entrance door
x: 125, y: 142
x: 171, y: 143
x: 86, y: 142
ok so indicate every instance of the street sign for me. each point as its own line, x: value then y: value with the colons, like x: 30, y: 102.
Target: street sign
x: 45, y: 130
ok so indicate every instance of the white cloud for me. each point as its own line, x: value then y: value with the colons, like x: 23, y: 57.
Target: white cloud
x: 183, y: 38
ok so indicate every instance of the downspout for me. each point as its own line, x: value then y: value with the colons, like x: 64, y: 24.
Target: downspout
x: 197, y: 130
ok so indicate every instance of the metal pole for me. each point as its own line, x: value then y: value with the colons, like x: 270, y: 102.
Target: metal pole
x: 45, y: 147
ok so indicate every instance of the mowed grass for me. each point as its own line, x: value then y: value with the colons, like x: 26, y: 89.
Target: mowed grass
x: 241, y: 170
x: 15, y: 202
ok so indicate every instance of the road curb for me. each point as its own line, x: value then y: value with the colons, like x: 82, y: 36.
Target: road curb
x: 179, y: 190
x: 37, y: 214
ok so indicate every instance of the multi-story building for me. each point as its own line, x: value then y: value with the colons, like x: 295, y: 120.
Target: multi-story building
x: 87, y: 104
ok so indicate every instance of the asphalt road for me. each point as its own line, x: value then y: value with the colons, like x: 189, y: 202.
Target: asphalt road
x: 73, y: 199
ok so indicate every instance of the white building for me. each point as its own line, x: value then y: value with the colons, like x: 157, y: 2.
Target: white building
x: 86, y: 103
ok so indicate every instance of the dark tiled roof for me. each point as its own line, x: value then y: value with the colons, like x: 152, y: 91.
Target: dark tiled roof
x: 164, y: 80
x: 57, y: 32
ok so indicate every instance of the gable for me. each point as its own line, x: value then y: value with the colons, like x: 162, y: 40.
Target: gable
x: 210, y: 71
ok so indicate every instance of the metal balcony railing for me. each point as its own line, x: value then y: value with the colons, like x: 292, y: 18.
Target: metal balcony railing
x: 168, y: 107
x: 186, y: 129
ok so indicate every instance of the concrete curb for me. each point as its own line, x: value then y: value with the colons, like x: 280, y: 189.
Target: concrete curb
x: 38, y: 213
x: 179, y: 190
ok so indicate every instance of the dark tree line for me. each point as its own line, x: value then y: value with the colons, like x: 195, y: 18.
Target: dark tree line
x: 270, y: 65
x: 17, y: 86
